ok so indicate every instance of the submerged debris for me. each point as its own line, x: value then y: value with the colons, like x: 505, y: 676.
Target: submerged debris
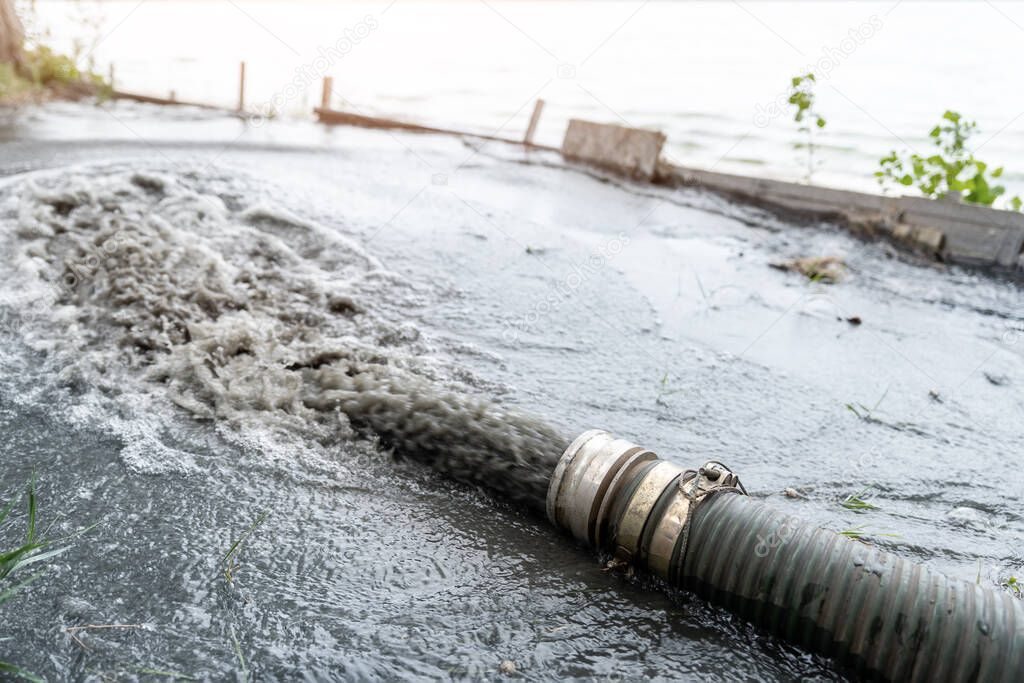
x: 824, y: 269
x: 996, y: 379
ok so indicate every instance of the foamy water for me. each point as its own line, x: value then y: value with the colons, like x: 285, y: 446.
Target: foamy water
x: 159, y: 287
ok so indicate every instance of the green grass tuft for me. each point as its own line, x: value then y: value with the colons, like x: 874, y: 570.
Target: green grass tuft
x: 856, y: 501
x: 18, y: 672
x: 230, y: 561
x: 32, y: 551
x: 860, y: 533
x: 46, y: 72
x: 238, y: 655
x: 163, y: 673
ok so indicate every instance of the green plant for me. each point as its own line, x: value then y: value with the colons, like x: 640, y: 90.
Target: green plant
x: 802, y: 98
x: 862, y: 411
x: 13, y: 86
x: 859, y: 532
x: 31, y: 551
x: 239, y: 656
x: 664, y: 389
x: 951, y: 172
x: 230, y: 562
x: 1014, y: 586
x: 44, y: 70
x: 162, y: 673
x: 856, y: 502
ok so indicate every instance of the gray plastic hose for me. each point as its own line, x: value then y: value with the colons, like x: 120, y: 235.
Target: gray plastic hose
x: 882, y: 616
x: 876, y: 613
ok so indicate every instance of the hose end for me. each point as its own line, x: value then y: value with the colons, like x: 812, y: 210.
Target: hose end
x: 617, y: 496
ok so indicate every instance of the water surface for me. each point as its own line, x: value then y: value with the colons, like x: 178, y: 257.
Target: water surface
x: 509, y: 278
x: 712, y: 75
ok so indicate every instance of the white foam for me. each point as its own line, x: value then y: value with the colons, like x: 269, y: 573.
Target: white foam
x: 150, y: 291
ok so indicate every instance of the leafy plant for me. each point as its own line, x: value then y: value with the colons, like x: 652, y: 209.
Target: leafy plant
x: 43, y: 71
x: 951, y: 172
x: 1014, y: 586
x: 802, y: 98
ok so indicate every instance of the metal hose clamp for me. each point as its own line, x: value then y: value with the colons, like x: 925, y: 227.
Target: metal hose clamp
x: 617, y: 496
x: 672, y: 530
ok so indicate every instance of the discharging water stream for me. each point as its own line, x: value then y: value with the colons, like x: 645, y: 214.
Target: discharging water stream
x: 206, y: 326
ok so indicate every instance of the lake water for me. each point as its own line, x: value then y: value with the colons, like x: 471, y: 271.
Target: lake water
x: 712, y: 75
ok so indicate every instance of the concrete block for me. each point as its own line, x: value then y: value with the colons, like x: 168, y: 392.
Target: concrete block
x: 924, y: 238
x: 631, y: 151
x: 930, y: 239
x: 1012, y: 250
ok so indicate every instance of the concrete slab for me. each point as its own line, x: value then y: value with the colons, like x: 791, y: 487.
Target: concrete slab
x: 952, y: 231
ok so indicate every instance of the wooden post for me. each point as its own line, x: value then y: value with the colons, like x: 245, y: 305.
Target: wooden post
x: 241, y: 87
x: 325, y: 96
x: 172, y: 97
x: 534, y: 120
x: 111, y: 76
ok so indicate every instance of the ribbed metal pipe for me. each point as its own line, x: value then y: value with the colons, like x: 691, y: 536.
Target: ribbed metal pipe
x: 882, y: 616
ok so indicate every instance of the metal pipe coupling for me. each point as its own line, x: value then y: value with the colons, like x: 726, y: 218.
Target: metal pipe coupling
x: 619, y: 497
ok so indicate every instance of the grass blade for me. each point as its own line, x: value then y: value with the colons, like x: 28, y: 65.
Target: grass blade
x: 228, y: 561
x: 18, y: 672
x: 6, y: 594
x: 39, y: 557
x: 165, y: 674
x: 239, y: 655
x: 31, y: 535
x: 7, y: 508
x: 854, y: 532
x: 856, y: 502
x: 9, y: 560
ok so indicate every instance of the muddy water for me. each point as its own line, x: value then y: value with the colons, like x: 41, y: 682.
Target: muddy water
x: 281, y: 312
x: 167, y: 286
